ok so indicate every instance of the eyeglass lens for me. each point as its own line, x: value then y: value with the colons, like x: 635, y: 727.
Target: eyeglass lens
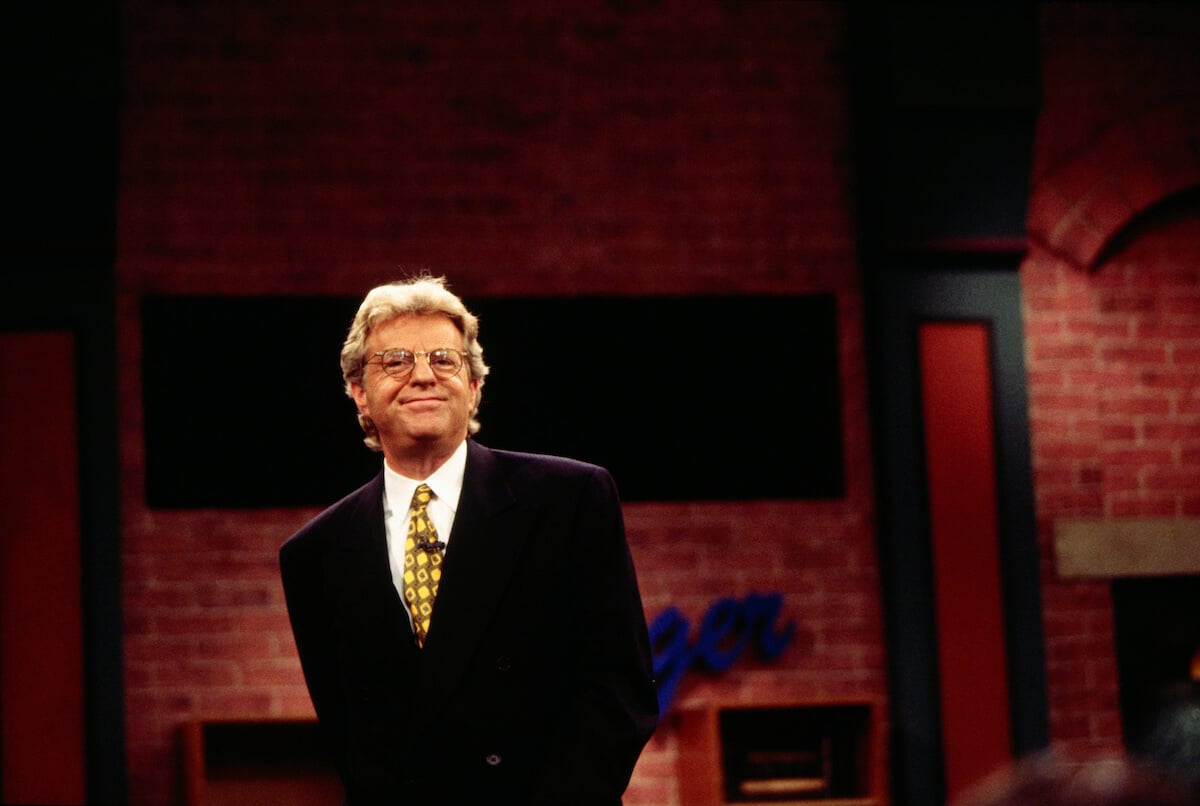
x: 444, y: 362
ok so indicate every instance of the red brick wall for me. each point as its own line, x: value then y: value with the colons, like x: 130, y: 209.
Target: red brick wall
x: 1112, y: 306
x: 618, y: 148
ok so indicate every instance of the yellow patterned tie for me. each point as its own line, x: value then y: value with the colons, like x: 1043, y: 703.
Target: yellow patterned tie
x: 422, y: 564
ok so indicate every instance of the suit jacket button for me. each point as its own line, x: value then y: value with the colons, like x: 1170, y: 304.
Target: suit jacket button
x: 493, y: 759
x: 503, y: 663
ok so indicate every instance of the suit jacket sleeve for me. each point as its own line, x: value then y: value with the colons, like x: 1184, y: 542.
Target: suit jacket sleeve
x: 303, y: 560
x: 312, y: 629
x: 614, y: 705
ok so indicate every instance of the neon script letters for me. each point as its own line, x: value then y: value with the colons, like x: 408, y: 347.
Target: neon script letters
x: 727, y: 628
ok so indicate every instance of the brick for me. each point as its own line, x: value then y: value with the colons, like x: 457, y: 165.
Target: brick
x: 1078, y: 239
x: 1186, y: 356
x: 184, y: 672
x: 1172, y: 430
x: 1135, y: 404
x: 1119, y: 479
x: 1108, y: 210
x: 1126, y: 300
x: 1051, y: 449
x: 1071, y: 503
x: 1172, y: 480
x: 1069, y: 351
x: 1143, y: 507
x: 1138, y: 354
x: 1048, y: 205
x: 1140, y: 183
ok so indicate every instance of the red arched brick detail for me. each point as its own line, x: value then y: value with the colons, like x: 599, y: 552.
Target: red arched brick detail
x: 1078, y: 206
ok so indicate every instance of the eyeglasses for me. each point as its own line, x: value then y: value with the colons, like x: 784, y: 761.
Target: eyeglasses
x: 444, y: 362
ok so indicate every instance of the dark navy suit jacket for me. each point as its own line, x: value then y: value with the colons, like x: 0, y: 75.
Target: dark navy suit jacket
x: 534, y: 685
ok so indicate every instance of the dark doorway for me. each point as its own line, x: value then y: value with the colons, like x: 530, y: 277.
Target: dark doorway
x: 1157, y: 626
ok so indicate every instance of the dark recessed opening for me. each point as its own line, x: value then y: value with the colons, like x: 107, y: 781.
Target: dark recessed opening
x: 1157, y: 623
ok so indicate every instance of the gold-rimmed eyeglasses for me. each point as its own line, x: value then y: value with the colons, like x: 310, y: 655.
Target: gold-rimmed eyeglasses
x: 399, y: 363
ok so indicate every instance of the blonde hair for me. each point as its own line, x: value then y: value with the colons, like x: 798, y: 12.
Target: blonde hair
x: 423, y: 295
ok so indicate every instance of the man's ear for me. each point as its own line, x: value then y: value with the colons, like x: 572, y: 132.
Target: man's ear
x: 360, y: 398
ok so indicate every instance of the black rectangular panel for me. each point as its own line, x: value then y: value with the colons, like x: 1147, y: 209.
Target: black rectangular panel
x: 682, y: 398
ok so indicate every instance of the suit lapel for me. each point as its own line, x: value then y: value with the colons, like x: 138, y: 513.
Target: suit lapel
x: 363, y: 575
x: 482, y: 554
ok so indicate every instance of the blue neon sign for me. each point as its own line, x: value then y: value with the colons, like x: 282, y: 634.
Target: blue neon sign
x: 727, y: 628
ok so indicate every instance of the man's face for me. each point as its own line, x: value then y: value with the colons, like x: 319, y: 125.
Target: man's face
x: 419, y: 414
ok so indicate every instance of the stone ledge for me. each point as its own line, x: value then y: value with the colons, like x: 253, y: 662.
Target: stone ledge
x: 1096, y: 548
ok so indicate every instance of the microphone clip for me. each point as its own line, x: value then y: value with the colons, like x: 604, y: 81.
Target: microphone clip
x: 432, y: 546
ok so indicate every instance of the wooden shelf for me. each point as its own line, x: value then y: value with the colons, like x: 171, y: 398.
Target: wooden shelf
x: 267, y: 762
x: 807, y: 753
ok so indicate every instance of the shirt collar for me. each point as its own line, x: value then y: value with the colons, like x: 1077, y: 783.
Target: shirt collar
x: 446, y: 482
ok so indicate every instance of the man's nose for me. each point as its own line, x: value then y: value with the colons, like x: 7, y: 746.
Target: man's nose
x: 422, y: 370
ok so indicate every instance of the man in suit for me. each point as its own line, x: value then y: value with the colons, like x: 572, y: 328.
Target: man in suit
x: 468, y: 622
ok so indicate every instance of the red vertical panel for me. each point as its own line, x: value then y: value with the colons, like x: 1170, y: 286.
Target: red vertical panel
x: 961, y: 462
x: 41, y: 634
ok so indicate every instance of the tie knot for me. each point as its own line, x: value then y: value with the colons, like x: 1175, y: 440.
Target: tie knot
x: 421, y: 496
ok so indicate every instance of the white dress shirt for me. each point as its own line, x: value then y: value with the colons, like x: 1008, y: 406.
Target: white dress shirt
x: 446, y: 483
